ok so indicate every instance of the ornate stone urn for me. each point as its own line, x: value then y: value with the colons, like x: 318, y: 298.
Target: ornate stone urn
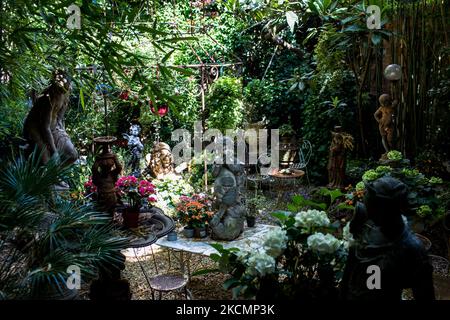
x: 105, y: 172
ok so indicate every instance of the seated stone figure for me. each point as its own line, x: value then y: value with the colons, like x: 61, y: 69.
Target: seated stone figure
x: 228, y: 221
x: 44, y: 125
x: 382, y: 239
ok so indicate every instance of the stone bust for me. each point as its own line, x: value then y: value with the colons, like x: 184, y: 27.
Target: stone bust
x: 161, y: 161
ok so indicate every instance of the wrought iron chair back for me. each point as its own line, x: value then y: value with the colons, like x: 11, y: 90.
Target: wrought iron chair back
x: 304, y: 155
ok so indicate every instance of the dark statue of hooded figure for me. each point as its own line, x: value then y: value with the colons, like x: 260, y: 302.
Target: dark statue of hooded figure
x: 385, y: 243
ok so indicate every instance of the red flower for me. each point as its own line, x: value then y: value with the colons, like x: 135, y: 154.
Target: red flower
x: 163, y: 109
x: 124, y: 95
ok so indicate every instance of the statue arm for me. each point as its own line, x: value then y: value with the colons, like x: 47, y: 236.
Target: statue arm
x: 45, y: 122
x: 378, y: 115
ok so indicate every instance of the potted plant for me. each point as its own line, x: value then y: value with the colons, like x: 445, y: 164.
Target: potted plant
x: 194, y: 212
x: 254, y: 204
x: 135, y: 191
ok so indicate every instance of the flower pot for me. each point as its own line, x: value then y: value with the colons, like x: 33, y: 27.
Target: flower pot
x: 251, y: 221
x: 200, y: 232
x: 172, y: 236
x: 188, y: 232
x: 130, y: 217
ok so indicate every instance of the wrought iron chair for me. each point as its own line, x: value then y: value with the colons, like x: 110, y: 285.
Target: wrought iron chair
x: 304, y: 155
x: 258, y: 178
x: 169, y: 281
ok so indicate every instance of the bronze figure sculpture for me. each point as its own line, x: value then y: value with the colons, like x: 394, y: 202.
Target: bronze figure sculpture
x: 340, y: 144
x: 385, y: 118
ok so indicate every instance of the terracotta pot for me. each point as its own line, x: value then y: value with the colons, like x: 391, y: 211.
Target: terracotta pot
x: 188, y: 232
x: 200, y: 232
x: 130, y: 217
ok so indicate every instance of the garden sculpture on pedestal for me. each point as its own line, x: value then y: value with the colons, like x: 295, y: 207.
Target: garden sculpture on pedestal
x: 385, y: 257
x: 161, y: 161
x: 337, y: 157
x: 136, y: 147
x: 385, y: 118
x: 44, y: 125
x: 228, y: 221
x: 105, y: 172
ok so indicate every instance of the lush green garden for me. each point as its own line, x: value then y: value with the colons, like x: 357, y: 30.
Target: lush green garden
x: 93, y: 98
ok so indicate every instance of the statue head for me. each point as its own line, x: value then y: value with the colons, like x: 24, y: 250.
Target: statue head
x: 135, y: 129
x: 225, y: 189
x: 385, y: 100
x: 61, y: 80
x: 385, y: 201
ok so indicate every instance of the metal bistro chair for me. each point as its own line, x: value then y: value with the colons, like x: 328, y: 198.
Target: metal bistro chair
x: 258, y: 178
x: 169, y: 281
x: 304, y: 154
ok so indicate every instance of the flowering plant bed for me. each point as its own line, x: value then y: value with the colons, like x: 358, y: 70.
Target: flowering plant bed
x: 303, y: 258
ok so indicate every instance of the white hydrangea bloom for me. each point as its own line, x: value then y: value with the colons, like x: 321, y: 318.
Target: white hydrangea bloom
x: 275, y: 242
x: 323, y: 243
x: 311, y: 218
x: 260, y: 263
x: 347, y: 236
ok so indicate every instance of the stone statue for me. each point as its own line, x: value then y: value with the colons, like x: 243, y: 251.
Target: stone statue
x: 161, y: 162
x: 340, y: 143
x: 136, y: 147
x: 384, y: 244
x: 228, y: 221
x: 44, y: 126
x: 385, y: 118
x: 105, y: 173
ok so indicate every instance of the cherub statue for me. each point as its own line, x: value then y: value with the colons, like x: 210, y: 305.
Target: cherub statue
x: 44, y: 125
x: 228, y: 222
x: 136, y: 147
x: 161, y: 161
x: 384, y: 116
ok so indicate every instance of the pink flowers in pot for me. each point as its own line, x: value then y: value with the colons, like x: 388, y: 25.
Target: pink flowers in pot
x: 135, y: 190
x: 89, y: 187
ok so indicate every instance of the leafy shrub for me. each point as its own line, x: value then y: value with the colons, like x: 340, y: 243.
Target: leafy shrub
x: 224, y: 104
